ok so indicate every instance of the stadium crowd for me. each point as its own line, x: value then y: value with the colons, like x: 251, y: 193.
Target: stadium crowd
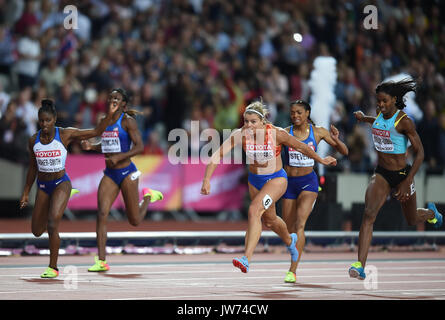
x: 205, y: 60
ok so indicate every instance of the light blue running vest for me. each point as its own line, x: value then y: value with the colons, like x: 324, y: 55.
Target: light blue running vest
x: 385, y: 136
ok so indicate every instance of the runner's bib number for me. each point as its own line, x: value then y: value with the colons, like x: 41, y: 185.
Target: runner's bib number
x: 110, y: 142
x: 297, y: 159
x: 49, y: 161
x: 382, y: 140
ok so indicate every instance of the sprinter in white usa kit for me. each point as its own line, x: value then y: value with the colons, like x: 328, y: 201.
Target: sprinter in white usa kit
x: 48, y: 152
x: 262, y: 143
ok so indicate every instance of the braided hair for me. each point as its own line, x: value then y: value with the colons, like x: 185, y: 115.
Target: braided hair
x: 398, y: 90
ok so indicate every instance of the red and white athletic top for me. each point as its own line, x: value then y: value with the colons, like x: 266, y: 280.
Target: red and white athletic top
x: 50, y: 157
x: 265, y: 150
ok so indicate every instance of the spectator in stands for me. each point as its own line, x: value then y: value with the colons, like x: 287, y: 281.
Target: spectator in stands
x: 247, y: 40
x: 29, y: 57
x: 68, y: 103
x: 13, y: 135
x: 429, y: 129
x: 7, y: 48
x: 4, y: 99
x: 357, y: 143
x: 27, y: 110
x: 441, y: 145
x: 52, y: 75
x: 28, y: 18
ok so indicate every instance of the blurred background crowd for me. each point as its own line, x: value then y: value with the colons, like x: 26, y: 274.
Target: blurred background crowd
x: 205, y: 60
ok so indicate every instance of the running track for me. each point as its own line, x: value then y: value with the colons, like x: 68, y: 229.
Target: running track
x: 321, y: 276
x: 405, y: 275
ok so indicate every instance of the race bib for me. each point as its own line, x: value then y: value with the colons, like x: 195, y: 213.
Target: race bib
x: 49, y: 161
x: 260, y: 153
x: 382, y: 140
x: 110, y: 142
x: 297, y: 159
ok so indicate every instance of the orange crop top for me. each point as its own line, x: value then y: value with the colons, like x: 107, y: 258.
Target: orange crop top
x: 262, y: 152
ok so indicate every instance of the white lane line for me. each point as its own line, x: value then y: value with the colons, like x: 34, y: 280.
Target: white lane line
x: 225, y: 269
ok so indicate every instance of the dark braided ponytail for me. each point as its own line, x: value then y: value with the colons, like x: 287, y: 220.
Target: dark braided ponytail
x: 398, y: 90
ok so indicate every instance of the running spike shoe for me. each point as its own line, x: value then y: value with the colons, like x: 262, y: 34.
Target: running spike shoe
x: 153, y: 194
x: 291, y: 277
x: 242, y: 264
x: 99, y: 265
x: 73, y: 192
x: 357, y: 271
x: 49, y: 273
x: 438, y: 218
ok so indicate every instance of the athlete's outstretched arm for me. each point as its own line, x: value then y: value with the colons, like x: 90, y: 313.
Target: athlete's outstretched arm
x: 70, y: 134
x: 87, y: 145
x: 332, y: 138
x: 234, y: 139
x: 285, y: 138
x: 360, y: 116
x: 30, y: 175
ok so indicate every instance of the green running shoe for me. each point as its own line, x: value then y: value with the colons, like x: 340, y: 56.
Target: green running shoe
x: 73, y: 192
x: 99, y: 265
x: 291, y: 277
x: 50, y: 273
x: 153, y: 194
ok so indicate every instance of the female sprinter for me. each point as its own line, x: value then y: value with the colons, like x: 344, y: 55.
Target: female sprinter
x: 391, y: 130
x: 267, y: 180
x: 302, y: 188
x: 48, y: 149
x: 120, y: 141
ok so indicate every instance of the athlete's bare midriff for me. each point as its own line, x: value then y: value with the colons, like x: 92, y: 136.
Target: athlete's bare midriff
x: 392, y: 162
x: 269, y: 167
x: 121, y: 164
x: 298, y: 171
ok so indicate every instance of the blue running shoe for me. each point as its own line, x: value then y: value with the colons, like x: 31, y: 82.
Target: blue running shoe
x: 292, y: 247
x: 242, y: 264
x: 438, y: 218
x: 357, y: 271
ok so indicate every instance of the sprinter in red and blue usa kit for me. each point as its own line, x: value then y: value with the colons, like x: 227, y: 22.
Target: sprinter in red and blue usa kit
x: 121, y: 141
x: 302, y: 189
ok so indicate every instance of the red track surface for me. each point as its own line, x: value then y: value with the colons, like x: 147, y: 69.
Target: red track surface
x: 321, y: 276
